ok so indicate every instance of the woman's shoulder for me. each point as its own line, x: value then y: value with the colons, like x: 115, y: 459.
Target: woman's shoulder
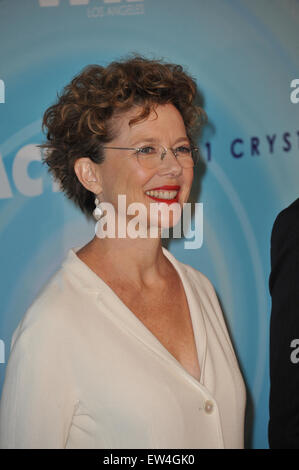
x: 57, y: 305
x: 200, y: 280
x: 202, y: 290
x: 205, y: 290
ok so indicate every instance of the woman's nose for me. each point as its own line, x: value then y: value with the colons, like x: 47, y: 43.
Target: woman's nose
x: 169, y: 162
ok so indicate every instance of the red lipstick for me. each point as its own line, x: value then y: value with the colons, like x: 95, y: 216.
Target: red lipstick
x: 166, y: 187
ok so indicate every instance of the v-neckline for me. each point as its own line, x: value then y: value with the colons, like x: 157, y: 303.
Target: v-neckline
x: 144, y: 334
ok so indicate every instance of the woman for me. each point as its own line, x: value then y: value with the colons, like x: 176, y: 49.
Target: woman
x: 125, y: 347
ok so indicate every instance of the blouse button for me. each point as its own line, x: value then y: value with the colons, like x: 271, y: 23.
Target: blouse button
x: 209, y: 406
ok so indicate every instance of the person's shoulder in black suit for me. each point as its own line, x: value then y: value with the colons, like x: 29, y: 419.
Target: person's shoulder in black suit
x: 285, y: 231
x: 284, y: 328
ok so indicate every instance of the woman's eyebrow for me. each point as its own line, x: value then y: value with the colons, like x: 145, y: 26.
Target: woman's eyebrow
x: 180, y: 139
x: 153, y: 139
x: 144, y: 139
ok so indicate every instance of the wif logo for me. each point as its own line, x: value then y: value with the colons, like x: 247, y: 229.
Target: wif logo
x: 101, y: 8
x: 2, y: 92
x: 55, y: 3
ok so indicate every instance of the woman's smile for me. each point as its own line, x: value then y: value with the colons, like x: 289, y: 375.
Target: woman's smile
x: 167, y: 194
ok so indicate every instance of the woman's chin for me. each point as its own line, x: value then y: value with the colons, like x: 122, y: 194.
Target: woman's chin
x: 165, y: 217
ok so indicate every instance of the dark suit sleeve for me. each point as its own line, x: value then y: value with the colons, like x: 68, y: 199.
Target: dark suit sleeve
x: 284, y: 327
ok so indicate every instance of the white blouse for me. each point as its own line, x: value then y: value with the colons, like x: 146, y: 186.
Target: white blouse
x: 85, y: 372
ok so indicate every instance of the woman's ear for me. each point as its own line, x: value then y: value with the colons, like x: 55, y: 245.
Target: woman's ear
x: 89, y: 175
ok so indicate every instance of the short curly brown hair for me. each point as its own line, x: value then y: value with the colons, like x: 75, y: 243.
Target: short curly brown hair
x: 79, y: 123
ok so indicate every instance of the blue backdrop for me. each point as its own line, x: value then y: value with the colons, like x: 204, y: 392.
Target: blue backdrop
x: 244, y: 55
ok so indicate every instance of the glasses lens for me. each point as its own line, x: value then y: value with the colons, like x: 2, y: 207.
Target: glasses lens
x: 187, y: 156
x: 152, y: 156
x: 149, y: 156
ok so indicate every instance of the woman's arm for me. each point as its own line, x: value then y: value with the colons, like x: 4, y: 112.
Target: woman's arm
x: 38, y: 398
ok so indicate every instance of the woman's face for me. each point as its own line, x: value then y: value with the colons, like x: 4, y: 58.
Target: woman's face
x: 121, y: 173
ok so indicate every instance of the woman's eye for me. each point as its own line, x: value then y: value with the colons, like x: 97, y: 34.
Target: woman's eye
x: 183, y: 149
x: 147, y: 150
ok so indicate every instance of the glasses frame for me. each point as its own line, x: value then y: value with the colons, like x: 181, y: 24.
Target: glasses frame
x: 138, y: 149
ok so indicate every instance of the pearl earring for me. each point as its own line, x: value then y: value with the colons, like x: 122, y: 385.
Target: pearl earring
x: 98, y: 212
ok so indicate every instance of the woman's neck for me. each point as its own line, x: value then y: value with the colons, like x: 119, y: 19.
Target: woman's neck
x: 140, y: 262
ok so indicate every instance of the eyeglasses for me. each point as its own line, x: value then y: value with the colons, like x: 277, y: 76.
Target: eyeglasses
x: 151, y: 156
